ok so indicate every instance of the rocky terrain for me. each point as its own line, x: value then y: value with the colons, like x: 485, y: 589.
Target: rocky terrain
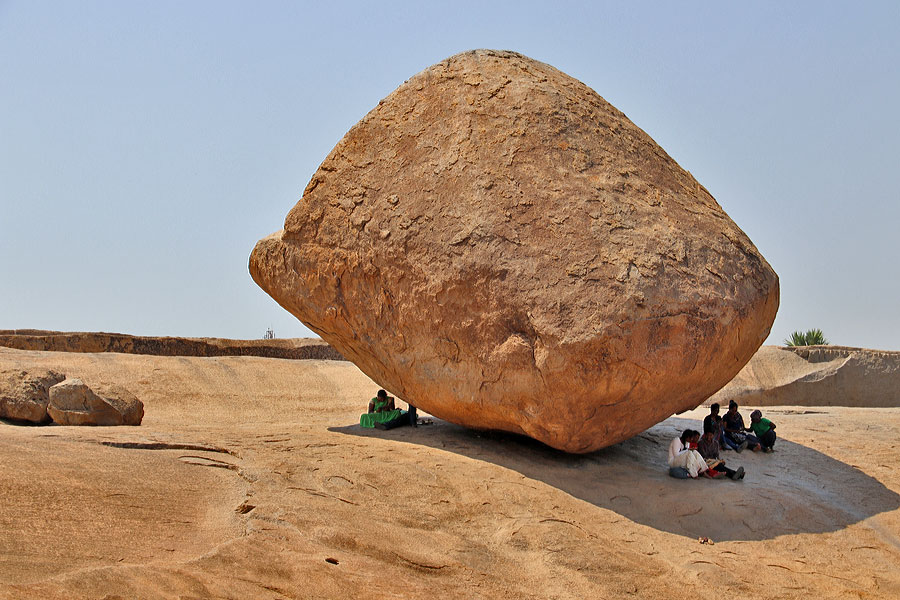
x: 816, y: 376
x: 39, y: 397
x: 61, y: 341
x: 250, y: 478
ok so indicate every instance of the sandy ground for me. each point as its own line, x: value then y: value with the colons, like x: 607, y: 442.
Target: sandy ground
x: 250, y: 478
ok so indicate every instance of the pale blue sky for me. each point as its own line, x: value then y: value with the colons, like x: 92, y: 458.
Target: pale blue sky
x: 146, y: 146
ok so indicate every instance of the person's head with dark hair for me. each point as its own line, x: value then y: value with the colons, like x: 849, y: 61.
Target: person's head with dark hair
x: 755, y: 416
x: 686, y: 435
x: 732, y: 406
x: 714, y: 408
x: 709, y: 428
x: 382, y: 394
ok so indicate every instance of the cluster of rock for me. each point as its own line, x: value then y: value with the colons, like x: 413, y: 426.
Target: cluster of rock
x: 501, y: 247
x: 44, y: 396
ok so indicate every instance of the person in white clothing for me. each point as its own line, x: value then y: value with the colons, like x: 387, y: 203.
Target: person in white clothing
x: 681, y: 455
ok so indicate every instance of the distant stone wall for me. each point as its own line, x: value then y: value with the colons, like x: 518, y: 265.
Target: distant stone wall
x: 56, y: 341
x: 816, y: 376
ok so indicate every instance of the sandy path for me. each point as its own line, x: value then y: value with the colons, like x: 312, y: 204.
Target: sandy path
x: 418, y: 513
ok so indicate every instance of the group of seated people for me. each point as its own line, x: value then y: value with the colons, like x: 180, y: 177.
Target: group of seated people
x: 732, y: 433
x: 694, y: 455
x: 690, y: 455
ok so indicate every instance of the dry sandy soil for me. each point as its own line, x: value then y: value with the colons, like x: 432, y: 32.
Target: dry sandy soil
x: 250, y: 478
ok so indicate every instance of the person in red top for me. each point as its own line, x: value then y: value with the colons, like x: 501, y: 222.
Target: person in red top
x: 708, y: 447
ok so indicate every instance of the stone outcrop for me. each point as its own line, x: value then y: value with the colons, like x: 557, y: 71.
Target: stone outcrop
x: 74, y: 403
x: 24, y: 394
x: 498, y: 245
x: 58, y: 341
x: 816, y: 376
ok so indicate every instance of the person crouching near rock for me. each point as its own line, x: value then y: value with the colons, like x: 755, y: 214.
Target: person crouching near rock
x: 708, y: 447
x: 383, y: 414
x: 763, y: 429
x: 681, y: 456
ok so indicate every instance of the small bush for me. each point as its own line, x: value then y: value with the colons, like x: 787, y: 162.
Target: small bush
x: 813, y: 337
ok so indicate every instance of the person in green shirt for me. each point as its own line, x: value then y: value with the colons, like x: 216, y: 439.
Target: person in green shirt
x: 381, y: 403
x: 763, y: 429
x: 382, y: 414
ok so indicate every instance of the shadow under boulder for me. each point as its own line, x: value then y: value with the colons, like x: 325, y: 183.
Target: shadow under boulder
x: 796, y: 490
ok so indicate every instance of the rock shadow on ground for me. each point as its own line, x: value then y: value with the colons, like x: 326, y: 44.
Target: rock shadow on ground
x: 795, y: 490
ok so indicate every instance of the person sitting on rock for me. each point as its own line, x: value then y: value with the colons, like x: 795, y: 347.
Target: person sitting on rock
x: 708, y: 447
x: 713, y: 422
x: 383, y: 414
x: 681, y: 456
x: 764, y: 430
x: 381, y: 408
x: 406, y: 417
x: 381, y: 403
x: 734, y: 430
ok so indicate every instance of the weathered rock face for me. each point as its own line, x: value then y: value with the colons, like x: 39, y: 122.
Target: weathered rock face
x: 498, y: 245
x: 816, y: 376
x: 24, y: 394
x: 74, y: 403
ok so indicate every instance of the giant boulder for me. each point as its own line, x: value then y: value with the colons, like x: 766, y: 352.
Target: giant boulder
x: 498, y: 245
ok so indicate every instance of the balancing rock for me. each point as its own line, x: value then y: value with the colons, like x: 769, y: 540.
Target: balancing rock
x: 498, y: 245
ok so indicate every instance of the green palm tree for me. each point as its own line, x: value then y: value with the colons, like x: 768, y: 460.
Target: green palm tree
x: 813, y: 337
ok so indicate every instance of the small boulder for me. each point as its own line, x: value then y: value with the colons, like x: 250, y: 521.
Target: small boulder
x: 24, y: 394
x: 74, y: 403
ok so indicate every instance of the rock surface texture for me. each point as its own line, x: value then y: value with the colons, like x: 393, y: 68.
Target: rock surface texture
x: 24, y: 394
x: 74, y: 403
x: 816, y: 376
x: 498, y: 245
x: 58, y: 341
